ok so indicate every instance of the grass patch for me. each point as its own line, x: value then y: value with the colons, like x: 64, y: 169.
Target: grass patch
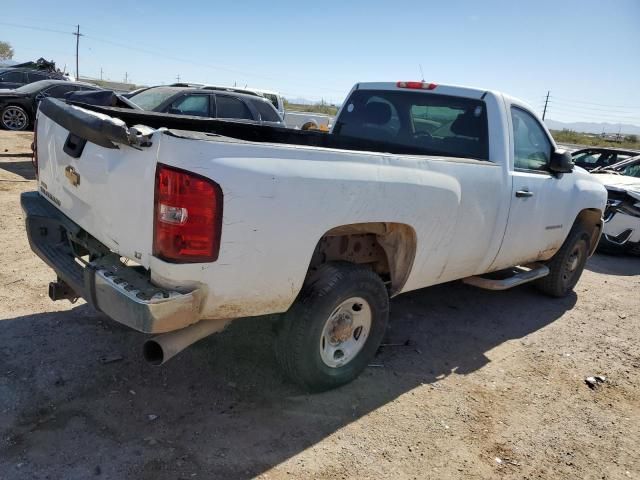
x: 569, y: 136
x: 320, y: 107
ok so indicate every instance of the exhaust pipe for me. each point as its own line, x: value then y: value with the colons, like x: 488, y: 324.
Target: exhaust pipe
x: 158, y: 350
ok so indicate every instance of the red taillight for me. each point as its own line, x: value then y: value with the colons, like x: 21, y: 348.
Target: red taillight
x: 187, y: 216
x: 417, y: 85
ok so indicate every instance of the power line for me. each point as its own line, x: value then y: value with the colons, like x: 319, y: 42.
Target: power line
x: 601, y: 118
x: 50, y: 30
x: 197, y: 63
x: 593, y: 109
x: 597, y: 104
x: 159, y: 54
x: 603, y: 113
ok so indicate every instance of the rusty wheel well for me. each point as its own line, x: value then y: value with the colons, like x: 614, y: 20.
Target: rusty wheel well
x: 388, y: 248
x: 591, y: 220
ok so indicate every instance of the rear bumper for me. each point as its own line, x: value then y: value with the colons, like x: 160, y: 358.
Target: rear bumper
x: 124, y: 293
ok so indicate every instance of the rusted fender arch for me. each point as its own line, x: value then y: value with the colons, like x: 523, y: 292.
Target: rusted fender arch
x: 390, y: 249
x: 591, y: 220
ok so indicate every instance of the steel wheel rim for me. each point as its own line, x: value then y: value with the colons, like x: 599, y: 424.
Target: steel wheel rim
x: 14, y: 118
x: 573, y: 263
x: 345, y: 332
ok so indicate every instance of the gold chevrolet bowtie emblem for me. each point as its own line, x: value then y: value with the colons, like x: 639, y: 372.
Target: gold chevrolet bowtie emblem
x: 72, y: 176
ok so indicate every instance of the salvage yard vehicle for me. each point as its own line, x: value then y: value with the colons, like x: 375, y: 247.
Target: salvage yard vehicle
x: 274, y: 97
x: 15, y: 77
x: 308, y: 120
x: 209, y: 103
x: 622, y: 216
x: 176, y: 225
x: 598, y: 157
x: 18, y: 107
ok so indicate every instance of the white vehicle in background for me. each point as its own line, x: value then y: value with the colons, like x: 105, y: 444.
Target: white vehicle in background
x: 308, y: 121
x: 177, y: 227
x: 622, y: 216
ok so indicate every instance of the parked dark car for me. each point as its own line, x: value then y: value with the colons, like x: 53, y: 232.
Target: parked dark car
x: 12, y: 77
x: 594, y: 157
x: 200, y: 102
x: 18, y: 107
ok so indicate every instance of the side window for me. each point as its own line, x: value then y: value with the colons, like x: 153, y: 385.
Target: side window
x: 532, y: 147
x: 58, y: 91
x: 36, y: 77
x: 232, y: 107
x: 16, y: 77
x: 195, y: 105
x: 267, y: 114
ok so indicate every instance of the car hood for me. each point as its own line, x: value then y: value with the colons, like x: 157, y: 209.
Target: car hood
x: 620, y: 183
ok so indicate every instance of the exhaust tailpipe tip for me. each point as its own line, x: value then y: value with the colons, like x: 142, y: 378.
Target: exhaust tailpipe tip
x: 158, y: 350
x: 153, y: 353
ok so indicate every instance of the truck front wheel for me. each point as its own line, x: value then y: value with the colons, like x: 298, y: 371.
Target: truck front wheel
x: 566, y: 266
x: 334, y: 328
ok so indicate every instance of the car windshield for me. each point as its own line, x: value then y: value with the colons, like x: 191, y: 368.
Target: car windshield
x: 154, y: 97
x: 630, y: 168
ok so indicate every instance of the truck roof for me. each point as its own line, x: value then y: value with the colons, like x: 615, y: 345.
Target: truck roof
x: 454, y: 90
x: 437, y: 88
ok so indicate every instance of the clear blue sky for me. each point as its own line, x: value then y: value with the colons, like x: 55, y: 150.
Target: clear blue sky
x: 586, y: 52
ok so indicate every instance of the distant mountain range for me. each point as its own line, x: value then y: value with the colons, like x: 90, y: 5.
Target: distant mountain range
x: 595, y: 127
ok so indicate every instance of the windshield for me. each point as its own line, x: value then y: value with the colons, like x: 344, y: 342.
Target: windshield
x: 630, y: 168
x: 154, y: 97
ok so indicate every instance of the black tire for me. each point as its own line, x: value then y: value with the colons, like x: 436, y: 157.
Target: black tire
x: 14, y: 118
x: 566, y: 266
x: 298, y: 344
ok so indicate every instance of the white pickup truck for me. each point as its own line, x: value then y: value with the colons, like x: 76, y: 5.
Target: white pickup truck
x: 177, y: 225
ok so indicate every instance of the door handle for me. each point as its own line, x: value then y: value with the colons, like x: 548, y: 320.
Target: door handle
x: 524, y: 193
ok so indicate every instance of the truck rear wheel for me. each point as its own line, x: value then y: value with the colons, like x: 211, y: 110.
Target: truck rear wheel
x: 566, y: 266
x: 334, y: 328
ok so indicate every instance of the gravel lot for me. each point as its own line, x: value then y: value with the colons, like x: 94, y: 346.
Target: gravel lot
x: 488, y: 385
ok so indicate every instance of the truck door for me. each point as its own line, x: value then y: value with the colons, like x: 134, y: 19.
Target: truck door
x: 539, y: 211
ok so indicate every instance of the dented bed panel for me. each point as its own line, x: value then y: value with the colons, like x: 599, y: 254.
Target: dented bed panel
x: 107, y: 191
x: 280, y: 200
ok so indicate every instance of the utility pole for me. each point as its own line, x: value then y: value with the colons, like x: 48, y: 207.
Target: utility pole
x: 77, y: 35
x: 126, y: 76
x: 546, y: 101
x: 178, y: 78
x: 100, y: 73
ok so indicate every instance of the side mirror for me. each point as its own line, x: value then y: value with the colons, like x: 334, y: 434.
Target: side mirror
x: 561, y: 162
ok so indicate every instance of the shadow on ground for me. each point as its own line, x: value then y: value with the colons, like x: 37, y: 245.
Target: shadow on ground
x: 614, y: 264
x: 76, y: 398
x: 22, y: 168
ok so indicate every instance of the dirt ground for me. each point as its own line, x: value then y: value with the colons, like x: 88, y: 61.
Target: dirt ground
x: 489, y: 385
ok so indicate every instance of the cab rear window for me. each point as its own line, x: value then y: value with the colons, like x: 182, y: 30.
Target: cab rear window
x: 422, y: 123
